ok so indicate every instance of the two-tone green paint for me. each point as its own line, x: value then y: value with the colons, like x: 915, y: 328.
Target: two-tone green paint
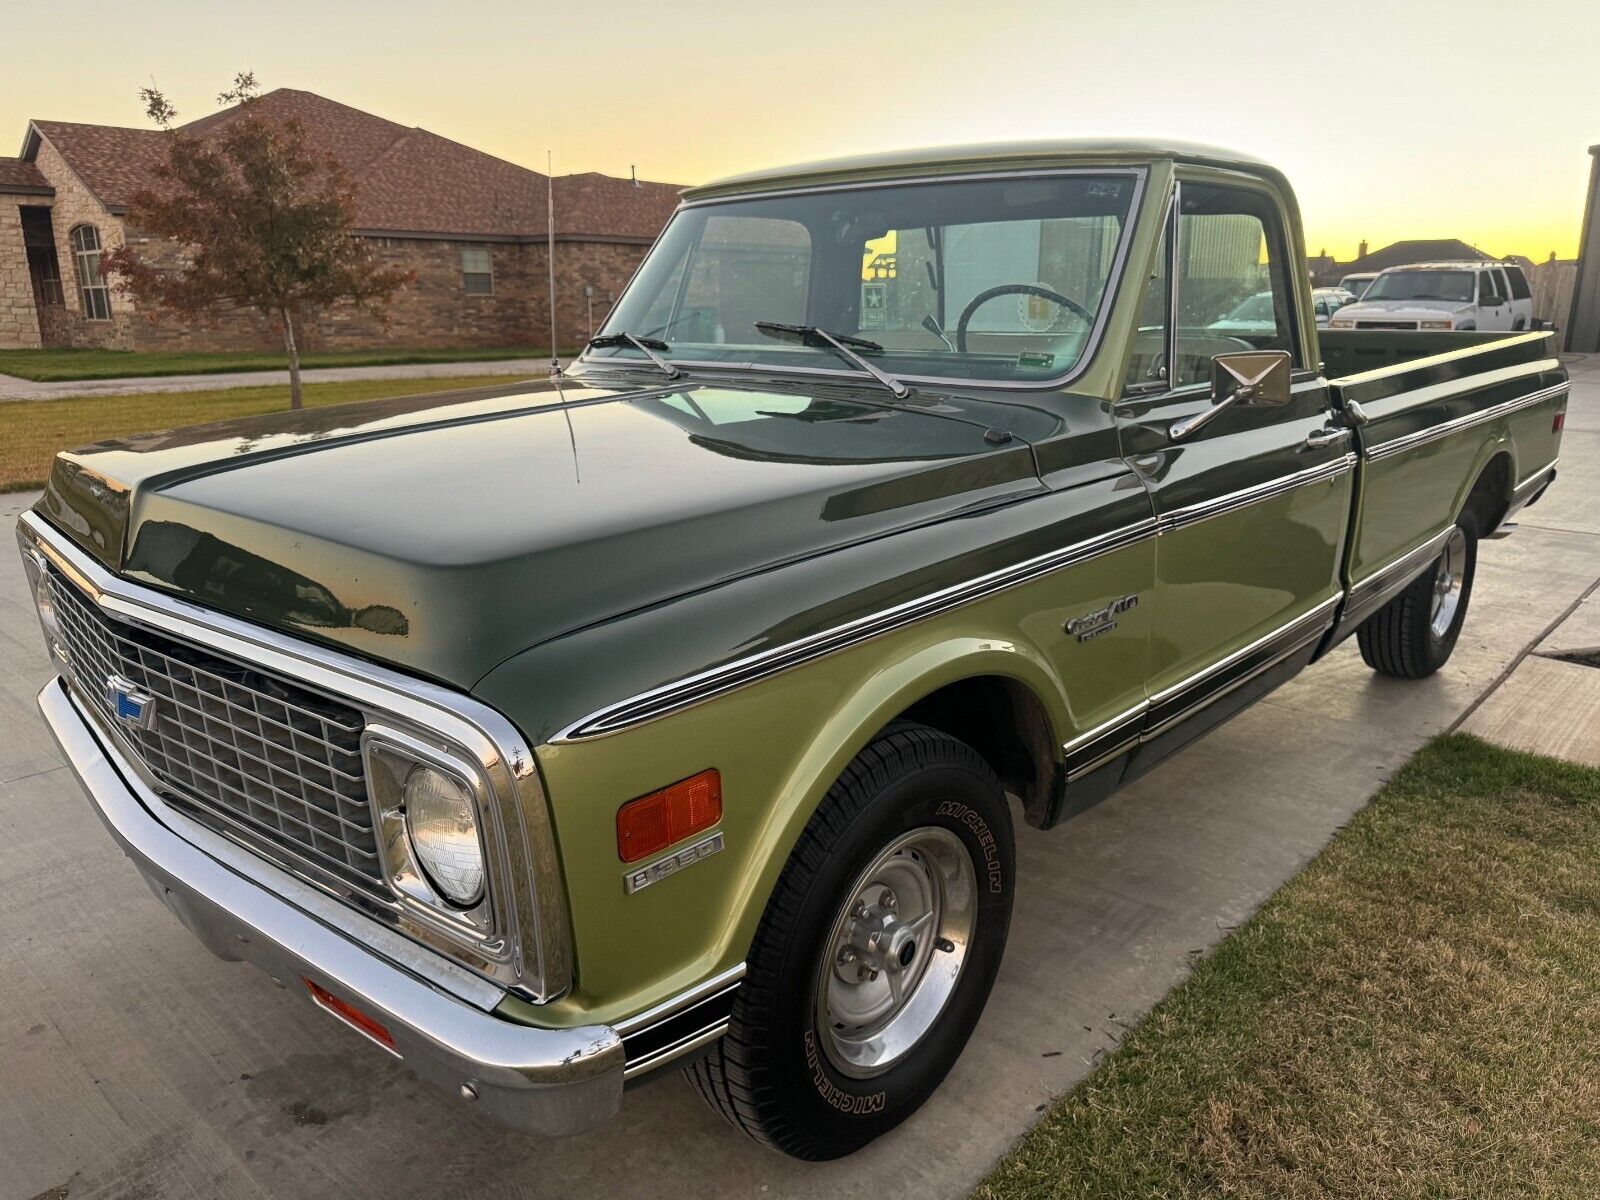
x: 561, y: 548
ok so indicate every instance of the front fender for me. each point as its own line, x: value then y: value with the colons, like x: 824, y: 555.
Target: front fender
x: 778, y: 744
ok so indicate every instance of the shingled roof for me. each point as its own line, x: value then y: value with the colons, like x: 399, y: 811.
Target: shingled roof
x: 407, y: 180
x: 19, y: 175
x: 1417, y: 250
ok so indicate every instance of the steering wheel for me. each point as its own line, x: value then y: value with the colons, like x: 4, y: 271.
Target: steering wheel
x: 1015, y: 289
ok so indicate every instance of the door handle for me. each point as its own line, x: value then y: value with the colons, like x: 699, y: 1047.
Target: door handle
x: 1321, y: 438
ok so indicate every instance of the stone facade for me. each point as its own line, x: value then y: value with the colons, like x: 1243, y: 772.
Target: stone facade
x: 73, y: 205
x: 19, y: 316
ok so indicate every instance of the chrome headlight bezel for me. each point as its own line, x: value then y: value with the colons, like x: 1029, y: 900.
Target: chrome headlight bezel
x: 34, y: 566
x: 391, y: 755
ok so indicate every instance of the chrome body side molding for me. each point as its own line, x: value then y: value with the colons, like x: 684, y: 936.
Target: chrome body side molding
x: 715, y: 681
x: 1382, y: 585
x: 1533, y: 479
x: 671, y: 1030
x: 1271, y: 489
x: 1423, y: 436
x: 1183, y: 699
x: 1096, y: 747
x: 1529, y: 491
x: 1178, y: 702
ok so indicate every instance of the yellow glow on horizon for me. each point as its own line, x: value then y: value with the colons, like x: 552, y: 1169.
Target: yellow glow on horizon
x: 1393, y: 118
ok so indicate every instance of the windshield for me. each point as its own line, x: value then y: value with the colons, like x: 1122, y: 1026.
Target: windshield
x: 1356, y: 284
x: 1422, y: 285
x: 994, y: 279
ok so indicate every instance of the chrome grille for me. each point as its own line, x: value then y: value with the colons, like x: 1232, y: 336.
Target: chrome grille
x: 243, y: 752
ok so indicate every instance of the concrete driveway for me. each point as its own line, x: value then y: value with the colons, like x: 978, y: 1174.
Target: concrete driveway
x: 132, y: 1064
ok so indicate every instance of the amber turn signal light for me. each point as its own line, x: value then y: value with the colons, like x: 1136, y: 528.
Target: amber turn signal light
x: 656, y: 821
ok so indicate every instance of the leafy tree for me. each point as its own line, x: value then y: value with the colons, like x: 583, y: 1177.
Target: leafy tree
x: 265, y: 223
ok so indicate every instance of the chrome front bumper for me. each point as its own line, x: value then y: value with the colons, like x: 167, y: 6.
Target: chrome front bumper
x: 547, y: 1081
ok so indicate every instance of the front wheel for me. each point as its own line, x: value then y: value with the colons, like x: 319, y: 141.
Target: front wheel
x: 1414, y: 634
x: 875, y: 954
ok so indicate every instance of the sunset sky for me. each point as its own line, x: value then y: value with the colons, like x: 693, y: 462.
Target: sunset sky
x: 1394, y: 119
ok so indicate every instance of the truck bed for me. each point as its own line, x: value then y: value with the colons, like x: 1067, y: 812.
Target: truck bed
x: 1437, y: 415
x: 1348, y: 352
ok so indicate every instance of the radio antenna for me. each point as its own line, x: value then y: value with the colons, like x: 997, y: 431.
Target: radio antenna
x: 550, y: 253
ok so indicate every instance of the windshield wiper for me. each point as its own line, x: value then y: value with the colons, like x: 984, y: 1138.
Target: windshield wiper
x: 646, y: 346
x: 840, y: 343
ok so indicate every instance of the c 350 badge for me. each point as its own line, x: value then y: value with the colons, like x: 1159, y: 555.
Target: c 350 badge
x: 1102, y: 621
x: 642, y: 877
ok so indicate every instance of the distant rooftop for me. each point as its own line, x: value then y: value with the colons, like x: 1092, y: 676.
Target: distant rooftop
x: 407, y: 180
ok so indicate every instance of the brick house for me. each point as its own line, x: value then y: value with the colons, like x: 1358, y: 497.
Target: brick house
x: 472, y: 227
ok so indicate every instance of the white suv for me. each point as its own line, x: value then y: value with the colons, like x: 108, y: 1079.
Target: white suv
x: 1445, y: 295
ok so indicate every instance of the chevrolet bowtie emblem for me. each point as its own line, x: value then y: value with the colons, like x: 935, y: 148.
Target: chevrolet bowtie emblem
x: 129, y: 705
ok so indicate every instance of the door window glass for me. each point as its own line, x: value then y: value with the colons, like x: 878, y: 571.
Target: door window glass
x: 1233, y: 286
x: 1148, y: 363
x: 1519, y: 283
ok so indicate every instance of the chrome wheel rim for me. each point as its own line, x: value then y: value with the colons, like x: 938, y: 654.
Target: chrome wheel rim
x: 896, y: 951
x: 1449, y: 577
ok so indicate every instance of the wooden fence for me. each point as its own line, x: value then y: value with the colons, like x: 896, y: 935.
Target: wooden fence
x: 1552, y: 284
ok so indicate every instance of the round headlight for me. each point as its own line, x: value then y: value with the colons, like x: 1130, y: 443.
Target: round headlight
x: 443, y: 824
x: 46, y: 602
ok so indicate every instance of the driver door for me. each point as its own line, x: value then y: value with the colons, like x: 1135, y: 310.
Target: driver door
x: 1252, y: 506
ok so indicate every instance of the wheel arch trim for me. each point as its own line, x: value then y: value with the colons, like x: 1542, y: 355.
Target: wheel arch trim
x: 882, y: 698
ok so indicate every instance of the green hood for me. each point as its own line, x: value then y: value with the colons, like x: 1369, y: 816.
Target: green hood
x: 442, y: 536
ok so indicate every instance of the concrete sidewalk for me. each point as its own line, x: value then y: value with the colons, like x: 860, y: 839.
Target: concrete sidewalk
x: 133, y: 1063
x: 12, y: 388
x: 1550, y: 701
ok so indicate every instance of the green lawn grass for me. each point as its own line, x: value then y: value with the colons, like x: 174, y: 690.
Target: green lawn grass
x: 52, y: 366
x: 1417, y: 1014
x: 32, y: 431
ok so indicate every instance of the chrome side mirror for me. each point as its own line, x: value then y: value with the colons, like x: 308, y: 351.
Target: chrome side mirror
x: 1253, y: 377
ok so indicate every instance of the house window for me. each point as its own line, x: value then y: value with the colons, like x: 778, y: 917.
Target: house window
x: 477, y: 272
x: 91, y: 284
x: 43, y: 267
x: 46, y: 275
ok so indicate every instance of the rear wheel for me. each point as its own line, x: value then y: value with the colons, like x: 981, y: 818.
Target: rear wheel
x: 875, y: 954
x: 1414, y: 634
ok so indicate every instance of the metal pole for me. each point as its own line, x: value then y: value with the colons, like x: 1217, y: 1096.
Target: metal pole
x: 550, y: 255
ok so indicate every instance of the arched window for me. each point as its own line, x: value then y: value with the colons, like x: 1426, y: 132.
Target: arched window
x: 91, y: 284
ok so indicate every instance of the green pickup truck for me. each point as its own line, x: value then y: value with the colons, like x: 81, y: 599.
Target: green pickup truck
x: 678, y: 712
